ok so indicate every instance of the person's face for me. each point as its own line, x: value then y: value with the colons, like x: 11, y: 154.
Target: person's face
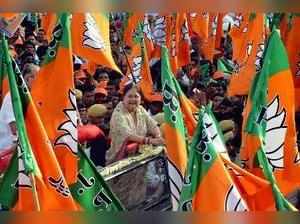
x: 109, y: 107
x: 193, y: 64
x: 217, y: 101
x: 83, y: 115
x: 111, y: 89
x: 31, y: 39
x: 132, y: 100
x: 89, y: 98
x: 115, y: 100
x: 100, y: 98
x: 29, y: 48
x: 103, y: 77
x: 40, y: 35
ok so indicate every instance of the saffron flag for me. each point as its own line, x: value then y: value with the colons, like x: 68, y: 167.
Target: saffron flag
x: 48, y: 22
x: 293, y: 49
x: 238, y: 33
x: 199, y: 23
x: 91, y: 190
x: 175, y: 137
x: 208, y: 187
x: 256, y: 191
x: 270, y: 121
x: 34, y: 156
x: 208, y: 45
x: 249, y: 54
x: 146, y: 81
x: 131, y: 25
x: 189, y: 110
x: 183, y: 40
x: 90, y: 38
x: 58, y: 111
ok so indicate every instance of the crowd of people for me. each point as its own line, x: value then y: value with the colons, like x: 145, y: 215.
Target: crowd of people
x: 114, y: 118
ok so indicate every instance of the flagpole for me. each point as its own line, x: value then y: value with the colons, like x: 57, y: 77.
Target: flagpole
x: 123, y: 51
x: 34, y: 193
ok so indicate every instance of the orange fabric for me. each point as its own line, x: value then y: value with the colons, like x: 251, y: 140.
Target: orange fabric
x: 90, y: 39
x: 172, y: 40
x: 199, y: 23
x: 183, y: 40
x: 284, y: 28
x: 256, y: 191
x: 132, y: 24
x: 5, y: 87
x: 293, y: 49
x: 48, y: 23
x: 146, y: 81
x: 51, y: 198
x: 91, y: 67
x: 176, y: 148
x: 56, y: 104
x: 208, y: 45
x: 8, y: 15
x: 288, y: 176
x: 239, y: 33
x: 217, y: 184
x: 248, y: 49
x: 188, y: 110
x: 101, y: 91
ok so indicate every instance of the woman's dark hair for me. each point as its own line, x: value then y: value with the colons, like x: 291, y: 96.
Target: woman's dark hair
x: 129, y: 86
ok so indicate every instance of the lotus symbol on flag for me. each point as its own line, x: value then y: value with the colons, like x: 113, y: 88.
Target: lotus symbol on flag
x: 275, y: 134
x: 147, y: 28
x: 159, y: 33
x: 69, y: 127
x: 136, y: 68
x: 238, y: 20
x: 92, y: 38
x: 176, y: 182
x: 234, y: 202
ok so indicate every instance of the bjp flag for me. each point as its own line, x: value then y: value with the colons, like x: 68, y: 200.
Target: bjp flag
x: 48, y: 22
x: 131, y: 25
x: 248, y: 54
x: 292, y: 36
x: 208, y: 45
x: 199, y: 23
x: 34, y: 172
x: 90, y: 38
x: 174, y: 131
x: 52, y: 92
x: 208, y: 187
x: 270, y: 119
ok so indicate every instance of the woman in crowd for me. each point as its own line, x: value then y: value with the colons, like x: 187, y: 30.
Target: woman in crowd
x: 131, y: 123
